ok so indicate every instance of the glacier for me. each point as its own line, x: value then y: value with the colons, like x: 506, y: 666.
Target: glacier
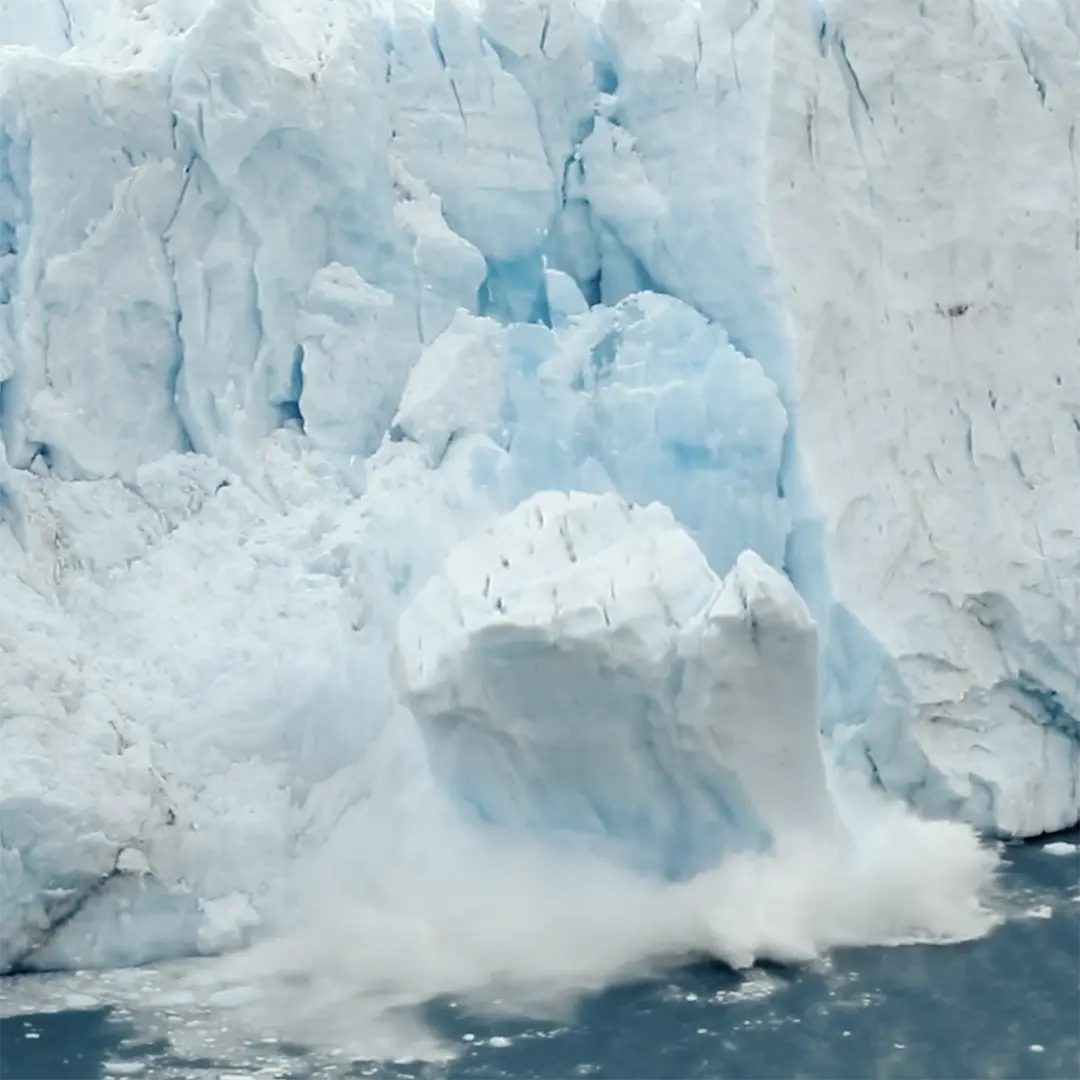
x: 299, y: 300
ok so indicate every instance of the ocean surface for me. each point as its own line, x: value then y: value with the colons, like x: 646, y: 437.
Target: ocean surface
x: 1007, y: 1006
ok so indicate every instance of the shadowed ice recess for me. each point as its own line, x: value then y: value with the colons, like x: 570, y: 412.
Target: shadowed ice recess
x: 499, y: 496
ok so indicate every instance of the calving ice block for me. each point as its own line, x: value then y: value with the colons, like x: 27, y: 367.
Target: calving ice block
x: 577, y: 666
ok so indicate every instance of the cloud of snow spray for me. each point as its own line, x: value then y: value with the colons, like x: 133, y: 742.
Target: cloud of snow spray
x: 398, y: 901
x: 409, y: 903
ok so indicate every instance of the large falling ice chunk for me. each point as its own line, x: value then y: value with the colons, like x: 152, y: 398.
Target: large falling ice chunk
x: 578, y: 667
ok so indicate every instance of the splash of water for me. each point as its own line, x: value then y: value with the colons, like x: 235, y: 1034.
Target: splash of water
x: 510, y: 923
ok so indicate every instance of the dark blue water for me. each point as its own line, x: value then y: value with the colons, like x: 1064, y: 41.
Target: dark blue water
x: 1005, y: 1006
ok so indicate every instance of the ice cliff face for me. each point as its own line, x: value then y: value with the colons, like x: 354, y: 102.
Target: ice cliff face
x: 298, y: 296
x: 949, y: 367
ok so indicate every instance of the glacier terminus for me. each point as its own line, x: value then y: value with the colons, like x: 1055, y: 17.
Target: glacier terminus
x: 615, y: 443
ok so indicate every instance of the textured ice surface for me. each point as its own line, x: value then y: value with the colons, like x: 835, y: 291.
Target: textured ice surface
x: 294, y: 296
x: 577, y: 666
x: 940, y: 155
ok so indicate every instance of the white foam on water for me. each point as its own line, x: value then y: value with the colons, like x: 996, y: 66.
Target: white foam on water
x: 1059, y: 847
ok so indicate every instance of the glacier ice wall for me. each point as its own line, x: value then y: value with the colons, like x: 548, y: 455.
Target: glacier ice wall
x: 949, y: 362
x: 807, y: 273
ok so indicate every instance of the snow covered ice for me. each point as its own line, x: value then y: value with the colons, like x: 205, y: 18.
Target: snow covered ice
x: 302, y: 301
